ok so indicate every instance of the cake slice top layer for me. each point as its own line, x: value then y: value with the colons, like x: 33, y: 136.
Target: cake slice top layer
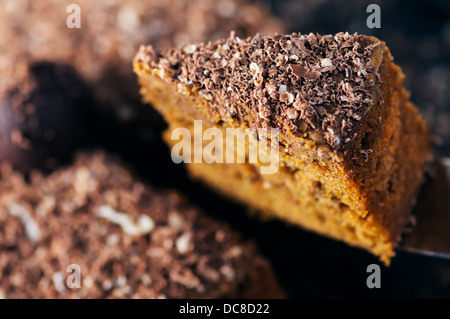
x: 316, y: 86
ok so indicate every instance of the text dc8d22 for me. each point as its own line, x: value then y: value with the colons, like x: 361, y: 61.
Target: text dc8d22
x: 226, y: 308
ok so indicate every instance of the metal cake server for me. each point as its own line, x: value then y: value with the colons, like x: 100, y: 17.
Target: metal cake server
x: 431, y: 234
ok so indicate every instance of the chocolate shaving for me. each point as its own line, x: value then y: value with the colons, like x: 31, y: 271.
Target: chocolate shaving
x: 298, y: 70
x: 312, y: 75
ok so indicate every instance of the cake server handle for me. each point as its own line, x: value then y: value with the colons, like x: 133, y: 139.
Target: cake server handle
x: 431, y: 234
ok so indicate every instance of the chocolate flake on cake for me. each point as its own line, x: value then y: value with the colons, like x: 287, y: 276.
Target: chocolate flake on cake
x: 327, y: 78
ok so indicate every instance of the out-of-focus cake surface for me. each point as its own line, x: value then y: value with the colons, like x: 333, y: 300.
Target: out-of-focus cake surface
x: 99, y: 52
x: 352, y: 147
x: 128, y: 240
x: 110, y: 33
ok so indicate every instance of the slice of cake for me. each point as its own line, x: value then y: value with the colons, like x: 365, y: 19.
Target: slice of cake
x: 92, y: 230
x: 351, y: 147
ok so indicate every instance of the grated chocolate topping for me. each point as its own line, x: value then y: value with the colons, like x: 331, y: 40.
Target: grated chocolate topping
x: 303, y: 83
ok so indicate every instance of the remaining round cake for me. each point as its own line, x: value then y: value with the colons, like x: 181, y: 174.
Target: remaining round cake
x: 123, y: 238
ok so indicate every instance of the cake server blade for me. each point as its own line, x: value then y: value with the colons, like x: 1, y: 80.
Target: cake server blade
x: 431, y: 234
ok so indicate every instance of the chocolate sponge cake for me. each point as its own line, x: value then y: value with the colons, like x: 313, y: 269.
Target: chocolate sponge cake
x: 351, y: 147
x: 123, y: 238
